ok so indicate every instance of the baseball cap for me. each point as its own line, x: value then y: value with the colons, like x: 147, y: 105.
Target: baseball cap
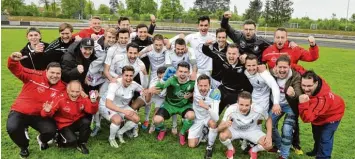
x: 87, y: 42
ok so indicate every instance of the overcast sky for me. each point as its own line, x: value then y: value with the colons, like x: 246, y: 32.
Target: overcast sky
x: 312, y: 8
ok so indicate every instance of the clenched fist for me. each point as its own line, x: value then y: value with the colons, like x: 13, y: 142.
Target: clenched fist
x: 290, y: 91
x: 312, y: 41
x: 16, y: 56
x: 80, y: 68
x: 303, y: 98
x: 227, y: 14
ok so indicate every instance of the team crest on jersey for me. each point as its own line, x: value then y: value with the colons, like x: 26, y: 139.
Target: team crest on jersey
x: 82, y: 107
x: 66, y: 109
x: 242, y: 44
x: 239, y: 70
x: 256, y: 48
x: 40, y: 89
x: 53, y: 94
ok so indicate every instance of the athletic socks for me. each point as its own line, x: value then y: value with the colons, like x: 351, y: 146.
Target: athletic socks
x: 174, y: 118
x: 97, y: 119
x: 186, y: 124
x: 147, y: 111
x: 257, y: 148
x: 228, y: 144
x: 127, y: 126
x: 113, y: 130
x: 212, y: 134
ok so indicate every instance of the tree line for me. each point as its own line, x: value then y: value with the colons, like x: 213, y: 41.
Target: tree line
x: 273, y: 13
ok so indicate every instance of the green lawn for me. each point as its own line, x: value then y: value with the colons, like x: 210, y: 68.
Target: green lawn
x: 335, y: 65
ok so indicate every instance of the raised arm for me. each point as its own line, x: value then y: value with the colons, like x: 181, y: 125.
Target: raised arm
x: 233, y: 34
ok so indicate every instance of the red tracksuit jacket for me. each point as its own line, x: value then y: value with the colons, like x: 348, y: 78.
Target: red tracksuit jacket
x: 35, y: 91
x: 66, y: 111
x: 272, y: 53
x: 86, y: 33
x: 322, y: 108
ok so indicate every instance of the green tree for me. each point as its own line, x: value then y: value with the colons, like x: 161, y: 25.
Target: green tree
x: 171, y: 9
x: 71, y: 8
x: 266, y: 13
x: 148, y: 7
x: 89, y: 8
x: 352, y: 19
x: 280, y: 12
x: 113, y: 6
x: 235, y: 10
x: 46, y: 4
x: 103, y: 9
x: 134, y: 5
x: 12, y: 6
x: 254, y: 10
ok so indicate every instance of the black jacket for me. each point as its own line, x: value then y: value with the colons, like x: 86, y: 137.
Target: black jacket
x: 255, y: 46
x: 34, y: 60
x: 233, y: 78
x: 71, y: 60
x: 56, y: 50
x: 142, y: 43
x: 217, y: 66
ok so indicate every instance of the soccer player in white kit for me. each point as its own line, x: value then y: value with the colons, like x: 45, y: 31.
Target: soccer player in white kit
x: 117, y: 108
x: 196, y: 41
x: 240, y: 122
x: 206, y: 107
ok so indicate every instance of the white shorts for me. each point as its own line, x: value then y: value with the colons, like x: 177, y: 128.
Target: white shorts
x: 158, y: 101
x: 108, y: 113
x: 253, y: 135
x: 195, y: 130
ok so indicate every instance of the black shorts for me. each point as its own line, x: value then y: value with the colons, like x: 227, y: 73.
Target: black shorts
x: 166, y: 115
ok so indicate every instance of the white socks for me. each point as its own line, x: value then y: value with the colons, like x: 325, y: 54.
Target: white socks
x: 97, y: 119
x: 113, y: 130
x: 257, y: 148
x: 174, y: 118
x: 212, y: 134
x: 147, y: 112
x: 127, y: 126
x: 228, y: 143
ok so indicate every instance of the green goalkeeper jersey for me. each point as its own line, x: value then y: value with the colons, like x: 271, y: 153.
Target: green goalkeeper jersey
x: 175, y: 91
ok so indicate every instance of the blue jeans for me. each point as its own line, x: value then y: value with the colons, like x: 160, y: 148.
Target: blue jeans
x: 283, y: 143
x: 323, y: 136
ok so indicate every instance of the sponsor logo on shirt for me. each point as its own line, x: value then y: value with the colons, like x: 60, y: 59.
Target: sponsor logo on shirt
x: 66, y: 109
x: 40, y: 89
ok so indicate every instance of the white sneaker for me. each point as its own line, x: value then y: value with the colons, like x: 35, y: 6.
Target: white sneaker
x: 95, y: 131
x: 113, y: 143
x: 135, y: 131
x: 151, y: 129
x: 120, y: 138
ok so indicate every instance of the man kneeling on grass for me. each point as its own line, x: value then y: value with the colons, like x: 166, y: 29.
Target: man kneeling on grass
x: 240, y: 121
x: 68, y: 110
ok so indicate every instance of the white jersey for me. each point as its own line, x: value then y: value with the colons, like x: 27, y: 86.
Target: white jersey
x: 120, y: 95
x: 262, y: 82
x: 121, y: 60
x: 244, y: 122
x: 212, y: 99
x: 132, y: 35
x: 196, y: 41
x: 114, y: 50
x: 172, y: 59
x: 156, y: 59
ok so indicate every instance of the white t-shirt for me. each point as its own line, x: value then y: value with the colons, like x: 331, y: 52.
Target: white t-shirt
x: 244, y: 122
x: 281, y: 83
x: 120, y: 95
x: 262, y: 82
x: 114, y: 50
x: 202, y: 113
x: 156, y: 59
x: 121, y: 60
x: 196, y: 41
x: 172, y: 59
x: 153, y: 83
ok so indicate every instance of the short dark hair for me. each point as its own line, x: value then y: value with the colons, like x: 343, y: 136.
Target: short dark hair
x: 64, y: 26
x: 251, y: 57
x: 141, y: 26
x: 233, y: 45
x: 203, y: 18
x: 204, y: 77
x: 161, y: 70
x: 220, y: 30
x: 281, y: 29
x: 310, y: 74
x: 183, y: 64
x: 127, y: 68
x: 133, y: 45
x: 158, y: 37
x: 122, y: 19
x: 284, y: 58
x: 33, y: 29
x: 122, y: 31
x: 180, y: 41
x: 53, y: 64
x: 245, y: 95
x: 249, y: 21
